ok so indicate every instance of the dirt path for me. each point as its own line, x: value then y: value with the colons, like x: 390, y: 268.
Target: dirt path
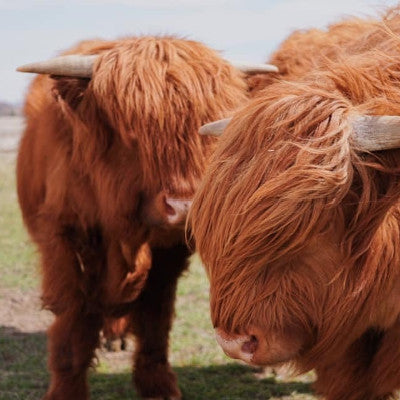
x: 22, y: 311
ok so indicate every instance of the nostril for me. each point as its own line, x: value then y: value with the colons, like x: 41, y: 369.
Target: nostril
x: 250, y: 346
x: 242, y: 347
x: 169, y: 208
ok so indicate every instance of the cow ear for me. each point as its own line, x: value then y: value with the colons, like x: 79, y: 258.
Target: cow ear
x: 70, y: 90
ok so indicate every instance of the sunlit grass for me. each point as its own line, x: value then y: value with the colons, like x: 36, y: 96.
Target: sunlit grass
x: 17, y: 255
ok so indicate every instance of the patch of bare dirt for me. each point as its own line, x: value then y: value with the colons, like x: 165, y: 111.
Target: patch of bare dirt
x: 22, y: 310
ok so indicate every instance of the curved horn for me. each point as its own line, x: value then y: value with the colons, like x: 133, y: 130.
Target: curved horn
x: 215, y: 128
x: 373, y: 133
x: 79, y: 66
x: 249, y: 68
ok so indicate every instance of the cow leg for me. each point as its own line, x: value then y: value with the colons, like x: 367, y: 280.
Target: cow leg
x: 385, y: 369
x: 152, y: 320
x: 74, y: 335
x: 72, y: 338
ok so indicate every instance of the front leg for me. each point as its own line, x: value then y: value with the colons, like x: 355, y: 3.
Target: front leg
x: 152, y: 320
x: 72, y: 340
x: 74, y: 335
x: 385, y: 369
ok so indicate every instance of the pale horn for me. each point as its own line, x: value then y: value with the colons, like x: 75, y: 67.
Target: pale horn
x: 249, y: 68
x: 215, y: 128
x: 79, y: 66
x: 371, y: 133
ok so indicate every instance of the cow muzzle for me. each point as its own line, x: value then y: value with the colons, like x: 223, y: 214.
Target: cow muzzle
x: 241, y: 347
x: 165, y: 210
x: 255, y: 349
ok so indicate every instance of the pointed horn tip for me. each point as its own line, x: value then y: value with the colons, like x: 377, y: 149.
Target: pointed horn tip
x: 251, y: 68
x: 71, y: 65
x: 204, y: 130
x: 271, y: 68
x: 31, y: 68
x: 23, y: 68
x: 215, y: 128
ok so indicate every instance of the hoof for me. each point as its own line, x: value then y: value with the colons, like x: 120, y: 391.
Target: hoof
x: 117, y: 345
x: 156, y: 381
x: 114, y: 345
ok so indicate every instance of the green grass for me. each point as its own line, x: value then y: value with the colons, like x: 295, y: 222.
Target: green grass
x: 17, y: 255
x: 204, y: 372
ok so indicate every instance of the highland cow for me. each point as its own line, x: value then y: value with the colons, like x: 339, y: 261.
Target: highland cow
x: 107, y: 168
x: 297, y: 221
x: 306, y: 50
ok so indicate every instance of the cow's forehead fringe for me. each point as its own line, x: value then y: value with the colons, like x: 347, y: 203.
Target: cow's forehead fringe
x: 163, y: 78
x: 162, y: 90
x: 158, y: 91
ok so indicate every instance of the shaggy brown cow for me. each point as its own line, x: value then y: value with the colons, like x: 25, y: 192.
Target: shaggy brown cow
x: 304, y: 51
x: 107, y: 167
x: 298, y: 223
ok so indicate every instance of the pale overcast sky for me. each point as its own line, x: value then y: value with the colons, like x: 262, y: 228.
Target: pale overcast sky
x: 244, y: 30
